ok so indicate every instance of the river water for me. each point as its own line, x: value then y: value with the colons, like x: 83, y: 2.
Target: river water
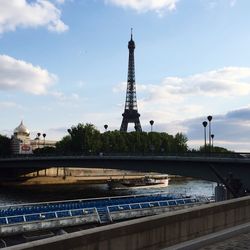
x: 28, y: 194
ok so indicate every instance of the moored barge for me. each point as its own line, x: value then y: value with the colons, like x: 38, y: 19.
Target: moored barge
x: 16, y: 219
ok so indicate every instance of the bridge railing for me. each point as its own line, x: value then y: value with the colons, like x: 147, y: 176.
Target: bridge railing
x: 101, y: 154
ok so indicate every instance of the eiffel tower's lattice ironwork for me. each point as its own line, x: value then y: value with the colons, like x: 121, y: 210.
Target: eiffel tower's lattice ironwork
x: 131, y: 114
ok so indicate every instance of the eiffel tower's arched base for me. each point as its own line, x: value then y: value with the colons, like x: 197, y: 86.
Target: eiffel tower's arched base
x: 130, y: 117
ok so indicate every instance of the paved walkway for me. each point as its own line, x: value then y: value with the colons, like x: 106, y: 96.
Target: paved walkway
x: 235, y: 238
x: 234, y: 243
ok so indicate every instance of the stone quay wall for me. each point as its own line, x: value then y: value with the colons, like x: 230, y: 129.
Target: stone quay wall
x: 154, y: 232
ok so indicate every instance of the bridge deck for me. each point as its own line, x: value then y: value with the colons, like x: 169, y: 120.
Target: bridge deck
x: 202, y: 167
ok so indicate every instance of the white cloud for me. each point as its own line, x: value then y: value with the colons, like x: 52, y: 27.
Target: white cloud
x: 63, y: 1
x: 22, y: 76
x: 158, y: 6
x: 146, y: 5
x: 230, y: 81
x: 60, y: 1
x: 23, y: 13
x: 7, y: 104
x: 225, y: 82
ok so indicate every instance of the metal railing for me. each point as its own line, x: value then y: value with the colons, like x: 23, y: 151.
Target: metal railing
x: 103, y: 155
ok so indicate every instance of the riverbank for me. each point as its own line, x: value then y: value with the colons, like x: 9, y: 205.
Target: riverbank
x: 71, y: 176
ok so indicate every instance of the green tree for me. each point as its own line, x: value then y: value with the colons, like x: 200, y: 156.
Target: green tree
x: 5, y: 146
x: 64, y: 146
x: 85, y: 138
x: 181, y: 142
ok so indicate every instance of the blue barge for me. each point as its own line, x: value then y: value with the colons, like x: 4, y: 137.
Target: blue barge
x: 16, y: 219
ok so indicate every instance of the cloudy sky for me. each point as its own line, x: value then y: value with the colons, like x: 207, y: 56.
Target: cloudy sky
x: 65, y: 61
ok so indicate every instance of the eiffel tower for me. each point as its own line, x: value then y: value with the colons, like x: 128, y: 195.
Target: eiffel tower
x: 131, y: 114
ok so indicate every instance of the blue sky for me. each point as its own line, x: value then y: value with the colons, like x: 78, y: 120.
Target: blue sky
x: 65, y: 61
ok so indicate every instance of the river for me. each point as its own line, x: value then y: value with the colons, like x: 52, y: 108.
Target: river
x: 28, y: 194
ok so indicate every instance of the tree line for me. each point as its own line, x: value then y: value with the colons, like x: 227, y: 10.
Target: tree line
x: 87, y: 139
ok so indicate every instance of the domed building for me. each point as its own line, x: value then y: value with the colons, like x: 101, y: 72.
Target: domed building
x: 22, y: 144
x: 21, y: 130
x: 21, y: 140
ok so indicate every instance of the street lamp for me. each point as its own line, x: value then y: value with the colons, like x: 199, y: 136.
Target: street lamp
x: 136, y: 145
x: 44, y: 135
x: 209, y: 130
x: 151, y: 124
x: 205, y: 136
x: 106, y: 127
x: 38, y: 136
x: 212, y: 137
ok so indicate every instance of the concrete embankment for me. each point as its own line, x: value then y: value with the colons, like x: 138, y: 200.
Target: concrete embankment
x: 155, y: 232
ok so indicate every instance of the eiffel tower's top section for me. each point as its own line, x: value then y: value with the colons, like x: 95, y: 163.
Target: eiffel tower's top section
x: 131, y: 43
x: 131, y: 103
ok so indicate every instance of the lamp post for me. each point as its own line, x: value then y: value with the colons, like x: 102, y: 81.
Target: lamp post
x: 44, y: 135
x: 205, y: 134
x: 38, y: 136
x: 137, y: 144
x: 106, y: 127
x: 106, y: 147
x: 209, y: 131
x: 212, y: 137
x: 151, y: 124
